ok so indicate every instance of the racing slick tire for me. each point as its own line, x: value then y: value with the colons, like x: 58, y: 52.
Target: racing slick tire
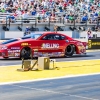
x: 26, y: 53
x: 69, y: 51
x: 5, y: 57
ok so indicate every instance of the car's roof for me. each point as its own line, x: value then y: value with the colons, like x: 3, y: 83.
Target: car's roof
x: 32, y: 34
x: 45, y: 33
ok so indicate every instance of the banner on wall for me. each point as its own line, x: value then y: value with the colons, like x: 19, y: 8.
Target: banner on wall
x: 94, y: 43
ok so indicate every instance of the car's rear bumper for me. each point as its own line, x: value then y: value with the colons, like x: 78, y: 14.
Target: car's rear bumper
x: 3, y: 53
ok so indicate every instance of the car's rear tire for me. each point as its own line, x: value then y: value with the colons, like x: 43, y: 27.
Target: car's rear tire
x: 69, y: 51
x: 5, y: 57
x: 26, y: 53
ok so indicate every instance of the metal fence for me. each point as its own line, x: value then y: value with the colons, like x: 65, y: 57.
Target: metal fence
x: 59, y: 21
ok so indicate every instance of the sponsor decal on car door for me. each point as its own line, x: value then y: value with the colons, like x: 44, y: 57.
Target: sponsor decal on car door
x: 53, y: 45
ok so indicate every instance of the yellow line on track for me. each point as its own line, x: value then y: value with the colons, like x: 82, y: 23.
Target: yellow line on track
x: 10, y: 74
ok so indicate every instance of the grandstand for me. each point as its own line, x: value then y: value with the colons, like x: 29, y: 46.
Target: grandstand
x: 41, y: 15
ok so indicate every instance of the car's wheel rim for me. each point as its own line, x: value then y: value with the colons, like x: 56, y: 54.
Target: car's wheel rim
x: 24, y: 51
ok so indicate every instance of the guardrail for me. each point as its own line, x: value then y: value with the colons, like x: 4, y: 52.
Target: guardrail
x: 61, y: 20
x: 20, y: 24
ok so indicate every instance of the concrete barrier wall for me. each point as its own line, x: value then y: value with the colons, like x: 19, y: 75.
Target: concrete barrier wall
x: 82, y: 36
x: 13, y: 34
x: 69, y: 33
x: 17, y: 34
x: 14, y: 27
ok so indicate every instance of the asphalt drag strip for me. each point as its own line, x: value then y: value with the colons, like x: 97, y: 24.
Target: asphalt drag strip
x: 85, y: 87
x: 94, y: 54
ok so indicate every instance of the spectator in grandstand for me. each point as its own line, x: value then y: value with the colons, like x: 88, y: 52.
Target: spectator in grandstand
x: 92, y: 19
x: 4, y: 5
x: 3, y: 10
x: 45, y: 4
x: 43, y: 17
x: 42, y: 8
x: 89, y: 32
x: 38, y: 17
x: 71, y: 17
x: 11, y: 18
x: 66, y: 18
x: 84, y: 18
x: 25, y: 15
x: 33, y: 12
x: 60, y: 7
x: 52, y: 17
x: 99, y: 3
x: 8, y: 10
x: 47, y: 13
x: 95, y: 14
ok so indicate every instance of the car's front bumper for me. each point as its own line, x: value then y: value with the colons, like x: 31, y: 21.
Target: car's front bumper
x: 81, y: 50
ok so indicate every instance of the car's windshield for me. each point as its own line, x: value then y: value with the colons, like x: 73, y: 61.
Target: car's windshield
x: 33, y: 36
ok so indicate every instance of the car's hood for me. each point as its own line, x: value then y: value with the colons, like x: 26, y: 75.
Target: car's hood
x: 16, y: 40
x: 78, y: 42
x: 84, y: 43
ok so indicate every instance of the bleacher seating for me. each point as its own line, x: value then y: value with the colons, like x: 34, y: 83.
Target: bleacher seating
x: 70, y: 15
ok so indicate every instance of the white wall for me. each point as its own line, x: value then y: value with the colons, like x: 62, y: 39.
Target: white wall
x: 82, y: 35
x: 13, y: 34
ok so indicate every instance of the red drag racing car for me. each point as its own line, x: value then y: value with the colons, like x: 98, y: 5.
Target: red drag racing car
x: 50, y: 44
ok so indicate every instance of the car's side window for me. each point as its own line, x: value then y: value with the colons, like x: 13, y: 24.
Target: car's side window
x: 45, y: 38
x: 48, y: 37
x: 54, y: 37
x: 63, y: 37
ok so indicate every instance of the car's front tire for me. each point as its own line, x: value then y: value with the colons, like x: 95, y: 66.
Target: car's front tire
x: 69, y: 51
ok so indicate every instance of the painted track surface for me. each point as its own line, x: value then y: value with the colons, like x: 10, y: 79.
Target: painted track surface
x: 75, y: 88
x: 90, y: 55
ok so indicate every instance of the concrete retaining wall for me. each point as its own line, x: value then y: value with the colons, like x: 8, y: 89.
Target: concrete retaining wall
x: 13, y: 28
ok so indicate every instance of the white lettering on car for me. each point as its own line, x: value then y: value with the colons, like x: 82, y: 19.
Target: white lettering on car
x: 48, y: 45
x: 14, y: 48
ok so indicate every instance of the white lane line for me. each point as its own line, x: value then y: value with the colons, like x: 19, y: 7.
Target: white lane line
x: 10, y: 65
x: 42, y: 79
x: 80, y: 60
x: 76, y: 96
